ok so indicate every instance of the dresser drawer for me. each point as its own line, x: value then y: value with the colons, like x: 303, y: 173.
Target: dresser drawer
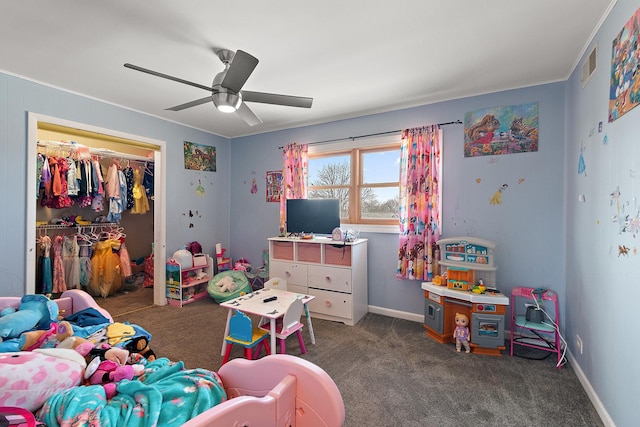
x: 330, y: 278
x: 331, y: 303
x: 302, y: 290
x: 293, y: 273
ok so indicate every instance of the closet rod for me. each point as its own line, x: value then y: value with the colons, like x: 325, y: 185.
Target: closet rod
x: 457, y: 122
x: 77, y: 227
x: 98, y: 151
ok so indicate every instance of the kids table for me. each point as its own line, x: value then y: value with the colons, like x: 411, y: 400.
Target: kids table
x: 254, y: 303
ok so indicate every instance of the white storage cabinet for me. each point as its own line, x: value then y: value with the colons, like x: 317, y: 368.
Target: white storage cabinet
x: 334, y: 272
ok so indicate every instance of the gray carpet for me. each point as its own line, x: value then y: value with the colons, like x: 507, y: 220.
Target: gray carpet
x: 388, y: 371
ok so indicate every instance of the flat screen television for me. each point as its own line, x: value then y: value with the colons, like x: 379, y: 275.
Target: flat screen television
x: 317, y: 216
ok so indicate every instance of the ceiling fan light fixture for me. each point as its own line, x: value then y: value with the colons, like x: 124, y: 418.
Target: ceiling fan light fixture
x: 226, y: 102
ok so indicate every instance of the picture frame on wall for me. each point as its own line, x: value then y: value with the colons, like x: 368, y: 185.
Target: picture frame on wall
x: 501, y: 130
x: 199, y: 157
x: 624, y: 92
x: 274, y: 186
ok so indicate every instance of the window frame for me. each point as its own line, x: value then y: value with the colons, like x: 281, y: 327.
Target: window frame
x: 356, y: 149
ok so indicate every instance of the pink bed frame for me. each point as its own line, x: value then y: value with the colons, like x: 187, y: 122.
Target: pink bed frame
x: 275, y: 391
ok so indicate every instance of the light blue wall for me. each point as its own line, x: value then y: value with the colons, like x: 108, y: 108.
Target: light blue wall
x: 601, y: 284
x: 19, y: 96
x: 527, y: 226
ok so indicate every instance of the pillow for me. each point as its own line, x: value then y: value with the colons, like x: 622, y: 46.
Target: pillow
x: 28, y: 378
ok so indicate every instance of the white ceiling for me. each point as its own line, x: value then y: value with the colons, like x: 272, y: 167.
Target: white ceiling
x: 352, y: 57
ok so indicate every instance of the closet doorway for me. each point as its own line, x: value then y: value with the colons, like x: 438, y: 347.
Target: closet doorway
x: 117, y: 142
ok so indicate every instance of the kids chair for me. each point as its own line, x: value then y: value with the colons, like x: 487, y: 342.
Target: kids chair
x: 242, y: 332
x: 290, y: 324
x: 276, y: 283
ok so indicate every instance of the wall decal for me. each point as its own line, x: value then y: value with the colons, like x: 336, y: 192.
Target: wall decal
x: 200, y: 191
x: 501, y: 130
x: 199, y: 157
x: 623, y: 250
x: 496, y: 199
x: 582, y: 166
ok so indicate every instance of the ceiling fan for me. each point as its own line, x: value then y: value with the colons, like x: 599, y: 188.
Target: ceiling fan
x: 226, y: 93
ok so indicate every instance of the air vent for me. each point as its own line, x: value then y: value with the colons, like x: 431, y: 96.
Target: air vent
x: 590, y: 65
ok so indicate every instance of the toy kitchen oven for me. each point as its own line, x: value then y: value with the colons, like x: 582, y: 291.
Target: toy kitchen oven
x: 467, y: 262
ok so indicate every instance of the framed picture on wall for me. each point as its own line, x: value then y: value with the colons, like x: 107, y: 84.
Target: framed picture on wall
x: 624, y: 92
x: 501, y: 130
x: 199, y: 157
x: 274, y: 186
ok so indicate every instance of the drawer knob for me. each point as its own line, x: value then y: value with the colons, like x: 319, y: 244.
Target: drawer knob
x: 327, y: 303
x: 287, y: 273
x: 327, y: 279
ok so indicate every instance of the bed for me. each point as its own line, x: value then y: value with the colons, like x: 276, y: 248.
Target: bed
x: 277, y: 390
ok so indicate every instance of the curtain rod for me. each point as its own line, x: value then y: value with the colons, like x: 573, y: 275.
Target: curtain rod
x: 457, y: 122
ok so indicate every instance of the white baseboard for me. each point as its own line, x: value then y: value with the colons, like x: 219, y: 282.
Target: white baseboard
x: 397, y: 314
x: 597, y: 403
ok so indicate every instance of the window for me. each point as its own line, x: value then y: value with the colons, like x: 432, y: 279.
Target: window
x: 364, y: 177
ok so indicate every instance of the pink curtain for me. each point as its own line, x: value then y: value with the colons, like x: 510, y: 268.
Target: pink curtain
x: 420, y: 164
x: 294, y: 173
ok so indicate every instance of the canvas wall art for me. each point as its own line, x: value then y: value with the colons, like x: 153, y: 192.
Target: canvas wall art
x: 274, y: 186
x: 501, y: 130
x: 624, y: 92
x: 199, y: 157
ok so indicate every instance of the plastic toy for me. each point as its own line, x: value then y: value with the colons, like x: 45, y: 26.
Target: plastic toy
x: 461, y: 333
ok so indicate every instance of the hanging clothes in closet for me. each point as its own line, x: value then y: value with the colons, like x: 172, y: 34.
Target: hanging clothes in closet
x: 45, y: 269
x: 79, y: 180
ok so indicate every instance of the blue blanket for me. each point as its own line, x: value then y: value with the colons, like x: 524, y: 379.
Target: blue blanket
x: 167, y: 394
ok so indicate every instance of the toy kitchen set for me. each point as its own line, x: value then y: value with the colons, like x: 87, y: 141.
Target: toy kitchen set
x: 466, y: 284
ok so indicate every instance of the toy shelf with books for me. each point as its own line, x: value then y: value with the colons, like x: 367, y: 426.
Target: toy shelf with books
x: 186, y: 285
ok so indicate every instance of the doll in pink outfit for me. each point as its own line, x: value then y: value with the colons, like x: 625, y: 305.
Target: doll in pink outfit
x: 461, y: 333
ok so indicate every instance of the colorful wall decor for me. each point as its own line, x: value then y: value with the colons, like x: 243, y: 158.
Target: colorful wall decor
x: 199, y: 157
x: 274, y: 186
x: 624, y: 92
x: 501, y: 130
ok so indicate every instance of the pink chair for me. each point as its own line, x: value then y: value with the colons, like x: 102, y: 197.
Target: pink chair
x: 289, y: 325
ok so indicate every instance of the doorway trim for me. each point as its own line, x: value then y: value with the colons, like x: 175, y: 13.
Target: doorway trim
x: 159, y: 182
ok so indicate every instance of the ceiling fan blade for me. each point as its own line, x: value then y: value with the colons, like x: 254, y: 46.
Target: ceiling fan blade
x: 248, y: 116
x: 242, y: 65
x: 190, y: 104
x: 166, y: 76
x: 274, y: 98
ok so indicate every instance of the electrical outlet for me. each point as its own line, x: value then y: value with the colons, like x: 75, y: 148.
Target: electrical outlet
x: 579, y: 343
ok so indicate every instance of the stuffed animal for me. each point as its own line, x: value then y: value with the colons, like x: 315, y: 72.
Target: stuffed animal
x: 226, y: 284
x: 56, y: 333
x: 34, y: 312
x: 108, y: 366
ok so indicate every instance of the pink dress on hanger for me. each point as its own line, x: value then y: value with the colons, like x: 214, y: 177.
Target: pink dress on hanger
x: 59, y: 282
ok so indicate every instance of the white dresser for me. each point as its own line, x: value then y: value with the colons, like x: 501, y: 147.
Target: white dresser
x: 332, y: 271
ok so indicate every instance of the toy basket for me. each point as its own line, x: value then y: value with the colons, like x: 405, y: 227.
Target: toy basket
x: 241, y: 281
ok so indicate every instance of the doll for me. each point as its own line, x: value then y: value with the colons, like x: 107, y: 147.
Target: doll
x: 461, y: 333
